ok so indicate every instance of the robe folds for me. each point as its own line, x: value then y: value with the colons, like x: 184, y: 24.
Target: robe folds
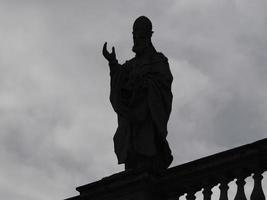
x: 141, y: 96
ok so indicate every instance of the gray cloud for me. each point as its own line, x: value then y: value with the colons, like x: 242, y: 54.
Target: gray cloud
x: 56, y: 122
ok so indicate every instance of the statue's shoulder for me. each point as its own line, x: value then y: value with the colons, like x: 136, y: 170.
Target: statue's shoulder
x: 159, y: 57
x: 160, y: 63
x: 130, y: 63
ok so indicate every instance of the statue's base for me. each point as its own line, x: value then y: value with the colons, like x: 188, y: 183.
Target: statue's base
x: 127, y: 185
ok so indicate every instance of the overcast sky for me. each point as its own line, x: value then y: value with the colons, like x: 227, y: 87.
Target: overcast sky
x: 56, y: 121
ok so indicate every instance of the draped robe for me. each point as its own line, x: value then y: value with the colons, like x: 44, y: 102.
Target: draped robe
x: 141, y: 96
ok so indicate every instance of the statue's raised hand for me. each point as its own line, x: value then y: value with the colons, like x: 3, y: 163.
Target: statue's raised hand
x: 111, y: 57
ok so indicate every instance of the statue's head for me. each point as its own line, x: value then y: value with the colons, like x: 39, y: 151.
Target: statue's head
x: 142, y: 33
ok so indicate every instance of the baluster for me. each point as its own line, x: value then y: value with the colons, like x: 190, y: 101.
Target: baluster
x: 207, y: 193
x: 191, y: 196
x: 240, y: 194
x: 224, y: 190
x: 257, y: 193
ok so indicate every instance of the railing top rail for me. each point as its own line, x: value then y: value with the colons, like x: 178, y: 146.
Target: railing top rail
x: 211, y: 170
x: 232, y: 155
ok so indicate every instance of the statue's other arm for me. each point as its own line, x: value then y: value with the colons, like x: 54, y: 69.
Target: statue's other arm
x: 153, y: 92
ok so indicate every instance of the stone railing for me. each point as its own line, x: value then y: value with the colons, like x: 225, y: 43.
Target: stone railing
x: 189, y: 178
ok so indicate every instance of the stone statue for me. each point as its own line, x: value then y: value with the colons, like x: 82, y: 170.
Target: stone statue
x: 141, y: 96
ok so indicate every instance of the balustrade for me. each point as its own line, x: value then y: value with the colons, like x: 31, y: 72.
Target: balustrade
x: 200, y: 175
x: 220, y: 169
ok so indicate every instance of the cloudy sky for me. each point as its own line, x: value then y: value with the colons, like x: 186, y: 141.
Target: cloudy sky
x: 56, y: 121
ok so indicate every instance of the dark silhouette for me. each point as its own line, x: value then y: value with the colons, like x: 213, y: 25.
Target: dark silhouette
x: 141, y: 96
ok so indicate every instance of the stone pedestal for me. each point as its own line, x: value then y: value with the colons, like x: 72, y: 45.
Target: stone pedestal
x: 122, y: 186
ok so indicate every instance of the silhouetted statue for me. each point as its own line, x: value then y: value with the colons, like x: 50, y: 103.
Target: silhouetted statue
x: 141, y: 96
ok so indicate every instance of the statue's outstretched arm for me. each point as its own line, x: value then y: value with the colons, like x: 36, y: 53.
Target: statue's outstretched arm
x: 110, y: 57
